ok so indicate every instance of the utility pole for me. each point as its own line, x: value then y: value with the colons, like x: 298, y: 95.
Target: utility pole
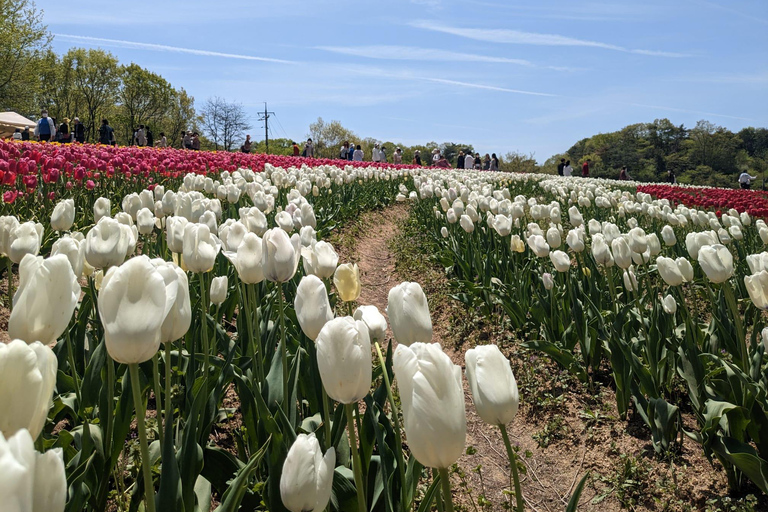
x: 264, y: 116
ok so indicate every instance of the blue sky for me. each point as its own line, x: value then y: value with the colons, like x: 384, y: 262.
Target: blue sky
x: 532, y: 76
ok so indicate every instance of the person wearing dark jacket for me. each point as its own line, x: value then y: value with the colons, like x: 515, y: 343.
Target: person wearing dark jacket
x: 561, y: 166
x: 150, y: 138
x: 460, y: 160
x: 106, y: 133
x: 79, y: 131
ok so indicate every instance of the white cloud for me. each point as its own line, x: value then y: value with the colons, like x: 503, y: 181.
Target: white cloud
x: 388, y: 52
x: 509, y: 36
x: 482, y: 86
x: 163, y: 48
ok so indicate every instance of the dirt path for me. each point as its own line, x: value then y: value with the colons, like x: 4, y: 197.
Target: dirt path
x: 563, y: 430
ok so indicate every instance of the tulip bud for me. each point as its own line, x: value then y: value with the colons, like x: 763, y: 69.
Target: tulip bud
x: 601, y: 252
x: 638, y: 241
x: 132, y: 307
x: 669, y: 304
x: 219, y: 290
x: 200, y: 248
x: 313, y: 310
x: 686, y: 269
x: 502, y: 224
x: 493, y: 385
x: 74, y: 250
x: 320, y: 259
x: 554, y: 240
x: 622, y: 254
x: 630, y: 281
x: 466, y: 224
x: 174, y: 227
x: 179, y: 308
x: 280, y: 255
x: 433, y: 403
x: 546, y: 278
x: 347, y: 282
x: 7, y: 224
x: 145, y: 221
x: 538, y: 245
x: 25, y: 238
x: 560, y: 260
x: 668, y: 235
x: 307, y: 477
x: 574, y: 241
x: 654, y: 246
x: 669, y: 271
x: 27, y: 379
x: 444, y: 232
x: 516, y: 244
x: 344, y: 359
x: 284, y: 221
x: 717, y: 262
x: 374, y: 320
x: 63, y: 215
x: 248, y: 259
x: 47, y: 296
x: 757, y: 286
x: 32, y: 481
x: 102, y: 207
x: 764, y: 336
x: 408, y: 313
x: 106, y: 244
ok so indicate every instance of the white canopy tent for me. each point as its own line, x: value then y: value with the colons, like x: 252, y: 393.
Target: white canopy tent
x: 9, y: 121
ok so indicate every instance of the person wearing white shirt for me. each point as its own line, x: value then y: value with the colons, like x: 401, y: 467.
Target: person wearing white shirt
x: 357, y: 156
x: 375, y: 153
x: 469, y: 161
x: 567, y: 169
x: 745, y: 180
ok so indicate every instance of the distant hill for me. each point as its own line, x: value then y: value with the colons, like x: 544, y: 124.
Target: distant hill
x: 704, y: 155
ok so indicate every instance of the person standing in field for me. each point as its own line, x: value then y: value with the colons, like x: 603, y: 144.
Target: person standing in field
x: 494, y: 163
x: 309, y: 149
x: 469, y: 161
x: 344, y: 150
x: 65, y: 137
x: 442, y: 162
x: 383, y: 155
x: 106, y: 133
x: 79, y: 131
x: 246, y: 147
x: 163, y: 142
x: 561, y: 166
x: 140, y: 139
x: 150, y: 138
x: 376, y: 154
x: 745, y: 180
x: 487, y: 162
x: 585, y: 168
x: 16, y: 134
x: 416, y: 157
x: 358, y: 154
x: 397, y: 157
x: 196, y: 141
x: 671, y: 178
x: 567, y: 169
x: 296, y: 149
x: 624, y: 174
x: 460, y: 160
x: 25, y: 133
x: 45, y: 130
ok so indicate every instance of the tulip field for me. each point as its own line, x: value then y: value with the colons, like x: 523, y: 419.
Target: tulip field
x: 157, y: 294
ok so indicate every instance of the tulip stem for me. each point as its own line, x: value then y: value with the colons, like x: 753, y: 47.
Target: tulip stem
x: 168, y: 417
x: 327, y: 419
x: 283, y: 349
x: 258, y: 356
x: 513, y: 466
x: 731, y: 301
x: 204, y: 327
x: 358, y: 470
x: 146, y: 469
x: 445, y: 482
x: 158, y: 397
x: 395, y: 419
x: 9, y: 266
x: 73, y: 368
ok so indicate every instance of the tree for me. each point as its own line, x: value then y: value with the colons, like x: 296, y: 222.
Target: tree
x: 328, y: 137
x: 145, y: 98
x: 23, y: 41
x: 181, y: 116
x: 518, y: 162
x: 224, y: 123
x: 95, y: 79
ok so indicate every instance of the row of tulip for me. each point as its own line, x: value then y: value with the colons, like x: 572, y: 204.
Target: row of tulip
x: 594, y: 273
x: 177, y: 298
x: 754, y: 202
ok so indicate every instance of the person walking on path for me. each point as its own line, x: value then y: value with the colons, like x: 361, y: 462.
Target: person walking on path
x: 79, y: 131
x: 106, y: 133
x: 567, y: 169
x: 585, y: 168
x: 246, y: 147
x: 469, y: 161
x: 45, y: 130
x: 624, y: 174
x: 358, y: 154
x: 745, y: 180
x: 494, y: 163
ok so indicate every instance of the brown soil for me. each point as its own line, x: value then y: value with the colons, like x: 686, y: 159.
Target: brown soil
x: 563, y: 429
